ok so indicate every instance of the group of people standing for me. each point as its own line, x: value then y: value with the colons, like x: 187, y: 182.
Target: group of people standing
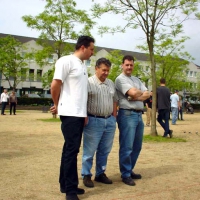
x: 89, y: 106
x: 11, y: 99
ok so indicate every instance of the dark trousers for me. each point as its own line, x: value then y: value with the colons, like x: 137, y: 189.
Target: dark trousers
x: 72, y: 128
x: 163, y: 119
x: 3, y: 107
x: 180, y: 112
x: 12, y: 107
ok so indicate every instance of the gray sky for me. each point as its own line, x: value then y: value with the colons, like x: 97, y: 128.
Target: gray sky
x: 11, y: 12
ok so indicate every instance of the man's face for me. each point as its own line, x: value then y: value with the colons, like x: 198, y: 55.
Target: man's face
x: 102, y: 72
x: 128, y: 67
x: 89, y: 51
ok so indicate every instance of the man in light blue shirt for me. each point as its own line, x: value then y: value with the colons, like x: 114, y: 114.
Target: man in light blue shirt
x: 175, y: 106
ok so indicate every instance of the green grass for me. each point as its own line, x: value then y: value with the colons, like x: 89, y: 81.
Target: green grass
x: 149, y: 138
x: 50, y: 120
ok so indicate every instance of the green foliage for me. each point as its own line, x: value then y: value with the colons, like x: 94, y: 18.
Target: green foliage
x: 13, y: 61
x: 50, y: 120
x: 149, y: 138
x: 57, y: 24
x: 33, y: 101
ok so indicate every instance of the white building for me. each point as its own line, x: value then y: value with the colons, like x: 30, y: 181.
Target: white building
x: 34, y: 85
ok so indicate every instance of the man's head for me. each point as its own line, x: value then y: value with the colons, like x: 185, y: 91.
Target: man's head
x: 102, y: 68
x: 127, y: 65
x: 176, y: 91
x: 162, y: 81
x: 85, y: 47
x: 5, y: 90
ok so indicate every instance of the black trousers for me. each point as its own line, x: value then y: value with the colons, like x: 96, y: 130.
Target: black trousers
x: 3, y: 107
x: 12, y: 107
x: 72, y: 129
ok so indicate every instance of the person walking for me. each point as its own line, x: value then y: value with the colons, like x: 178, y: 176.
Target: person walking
x: 99, y: 131
x: 4, y: 101
x: 148, y: 104
x: 131, y: 92
x: 69, y: 94
x: 13, y: 103
x: 163, y: 106
x: 180, y: 112
x: 175, y: 106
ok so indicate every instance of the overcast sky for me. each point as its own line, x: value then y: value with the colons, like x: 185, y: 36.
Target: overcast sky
x: 11, y: 12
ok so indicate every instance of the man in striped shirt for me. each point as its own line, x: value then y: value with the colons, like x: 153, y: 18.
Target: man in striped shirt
x: 100, y: 125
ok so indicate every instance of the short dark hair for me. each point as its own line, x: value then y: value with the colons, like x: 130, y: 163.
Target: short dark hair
x: 162, y: 80
x: 127, y: 57
x: 85, y: 41
x: 103, y: 61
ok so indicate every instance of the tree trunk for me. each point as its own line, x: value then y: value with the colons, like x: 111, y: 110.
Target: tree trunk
x: 154, y: 98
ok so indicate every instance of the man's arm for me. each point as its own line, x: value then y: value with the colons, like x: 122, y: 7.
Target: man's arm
x: 114, y: 109
x: 55, y: 93
x: 145, y: 95
x: 134, y: 93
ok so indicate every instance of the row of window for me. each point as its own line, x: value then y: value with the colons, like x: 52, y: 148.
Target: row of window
x: 50, y: 58
x: 192, y: 74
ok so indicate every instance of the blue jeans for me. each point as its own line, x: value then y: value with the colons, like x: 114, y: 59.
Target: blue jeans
x: 163, y: 119
x: 131, y: 128
x: 174, y: 115
x: 98, y: 137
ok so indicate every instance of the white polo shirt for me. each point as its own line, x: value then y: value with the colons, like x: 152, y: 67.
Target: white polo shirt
x: 73, y: 96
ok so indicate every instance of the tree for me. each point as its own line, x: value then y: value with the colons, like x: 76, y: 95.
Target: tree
x: 59, y: 23
x: 156, y: 18
x: 13, y: 63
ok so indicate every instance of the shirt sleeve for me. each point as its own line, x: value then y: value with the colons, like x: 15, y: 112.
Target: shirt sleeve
x: 62, y: 68
x: 122, y: 85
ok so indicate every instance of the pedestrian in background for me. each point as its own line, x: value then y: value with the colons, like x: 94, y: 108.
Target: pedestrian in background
x: 12, y: 103
x: 4, y: 101
x: 148, y: 104
x: 175, y: 106
x: 163, y: 106
x: 180, y: 112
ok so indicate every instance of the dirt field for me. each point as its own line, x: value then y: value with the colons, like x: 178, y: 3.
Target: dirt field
x: 30, y: 157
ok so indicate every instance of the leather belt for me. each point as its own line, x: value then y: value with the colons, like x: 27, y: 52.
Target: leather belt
x: 105, y: 117
x: 134, y: 110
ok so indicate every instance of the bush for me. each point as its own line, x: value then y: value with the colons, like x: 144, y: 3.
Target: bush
x: 34, y: 101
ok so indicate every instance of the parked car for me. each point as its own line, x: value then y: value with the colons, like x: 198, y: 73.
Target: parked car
x: 31, y: 96
x: 46, y: 96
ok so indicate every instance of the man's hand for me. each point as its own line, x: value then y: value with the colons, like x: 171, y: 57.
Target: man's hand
x: 54, y: 110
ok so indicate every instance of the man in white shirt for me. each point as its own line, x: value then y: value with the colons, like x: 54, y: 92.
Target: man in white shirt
x: 4, y: 100
x: 175, y: 106
x: 69, y: 94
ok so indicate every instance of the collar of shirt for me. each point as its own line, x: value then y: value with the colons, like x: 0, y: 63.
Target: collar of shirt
x: 99, y: 82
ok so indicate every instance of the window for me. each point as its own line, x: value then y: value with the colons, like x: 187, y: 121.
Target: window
x: 31, y: 74
x: 50, y: 59
x: 39, y: 75
x: 191, y: 73
x: 23, y: 54
x: 194, y: 85
x: 195, y: 74
x: 147, y: 68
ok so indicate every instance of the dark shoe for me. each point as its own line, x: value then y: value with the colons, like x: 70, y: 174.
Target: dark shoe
x: 79, y: 191
x: 170, y: 133
x: 103, y: 179
x: 135, y: 176
x: 72, y: 197
x: 87, y: 181
x: 128, y: 181
x: 164, y: 135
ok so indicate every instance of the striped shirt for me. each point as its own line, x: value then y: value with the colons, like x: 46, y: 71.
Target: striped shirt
x: 101, y: 96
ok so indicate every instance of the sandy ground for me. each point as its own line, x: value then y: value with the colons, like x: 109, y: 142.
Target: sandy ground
x: 30, y: 157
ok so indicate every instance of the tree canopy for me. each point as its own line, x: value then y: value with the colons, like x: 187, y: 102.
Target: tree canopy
x: 13, y: 61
